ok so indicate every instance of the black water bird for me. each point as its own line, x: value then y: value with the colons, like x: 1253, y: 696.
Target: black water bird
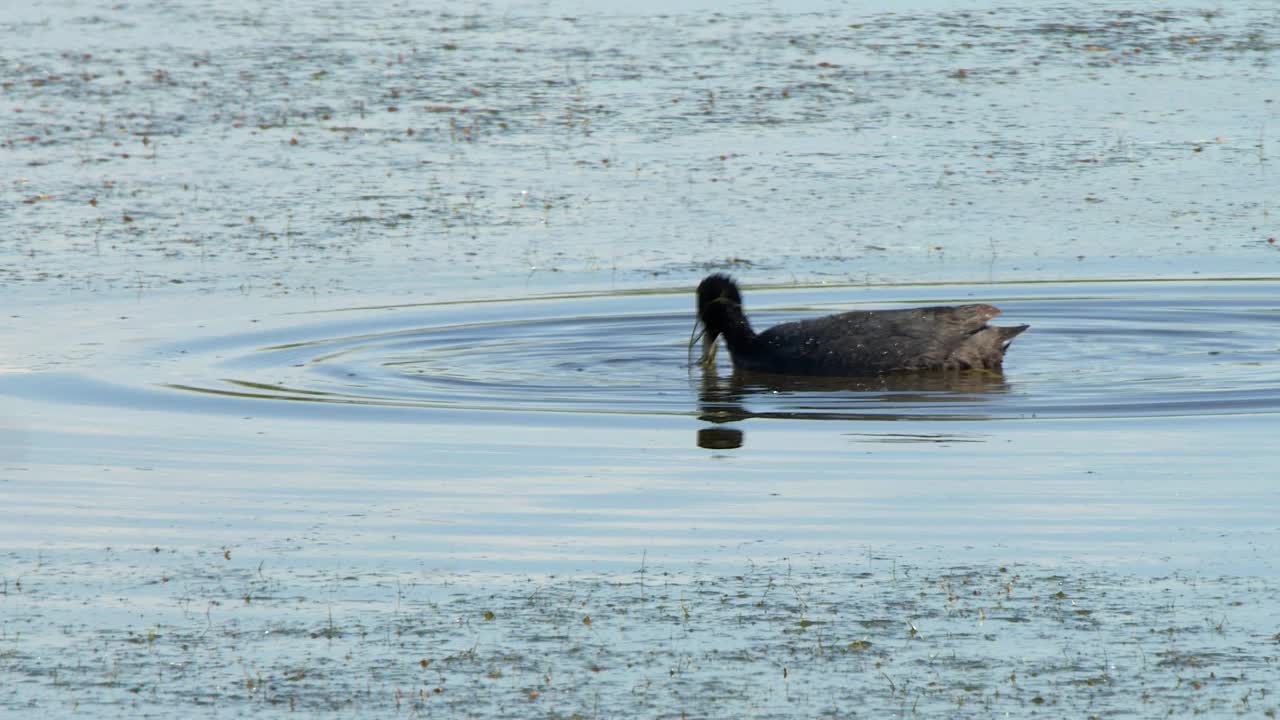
x: 862, y: 342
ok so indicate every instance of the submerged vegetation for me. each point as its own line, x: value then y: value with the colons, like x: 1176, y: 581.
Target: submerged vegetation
x: 777, y: 640
x: 542, y: 145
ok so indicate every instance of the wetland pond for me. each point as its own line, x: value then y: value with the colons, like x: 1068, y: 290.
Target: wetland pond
x: 344, y: 368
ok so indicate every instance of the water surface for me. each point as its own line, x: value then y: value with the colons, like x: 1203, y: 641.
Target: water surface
x: 473, y: 507
x: 585, y: 415
x: 344, y: 365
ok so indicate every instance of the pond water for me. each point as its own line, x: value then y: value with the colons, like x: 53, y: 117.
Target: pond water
x: 345, y: 366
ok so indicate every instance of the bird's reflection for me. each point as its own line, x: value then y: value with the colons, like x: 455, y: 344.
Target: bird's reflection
x: 941, y: 395
x: 719, y: 438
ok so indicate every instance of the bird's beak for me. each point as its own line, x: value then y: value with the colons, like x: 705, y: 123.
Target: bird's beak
x: 708, y: 349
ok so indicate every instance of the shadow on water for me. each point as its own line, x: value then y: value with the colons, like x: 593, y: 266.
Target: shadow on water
x: 740, y: 396
x: 905, y: 396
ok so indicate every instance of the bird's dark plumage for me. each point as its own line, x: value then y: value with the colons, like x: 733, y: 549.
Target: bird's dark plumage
x: 862, y: 342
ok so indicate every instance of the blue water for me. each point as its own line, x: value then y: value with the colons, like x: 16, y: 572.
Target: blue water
x: 344, y: 366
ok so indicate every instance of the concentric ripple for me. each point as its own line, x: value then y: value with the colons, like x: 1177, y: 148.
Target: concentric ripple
x: 1122, y: 349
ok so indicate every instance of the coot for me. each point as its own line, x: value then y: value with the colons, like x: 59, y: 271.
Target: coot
x: 862, y: 342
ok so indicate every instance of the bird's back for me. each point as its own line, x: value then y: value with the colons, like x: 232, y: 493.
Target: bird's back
x: 875, y: 341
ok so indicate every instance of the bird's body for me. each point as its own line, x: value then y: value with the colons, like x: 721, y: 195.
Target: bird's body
x: 862, y: 342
